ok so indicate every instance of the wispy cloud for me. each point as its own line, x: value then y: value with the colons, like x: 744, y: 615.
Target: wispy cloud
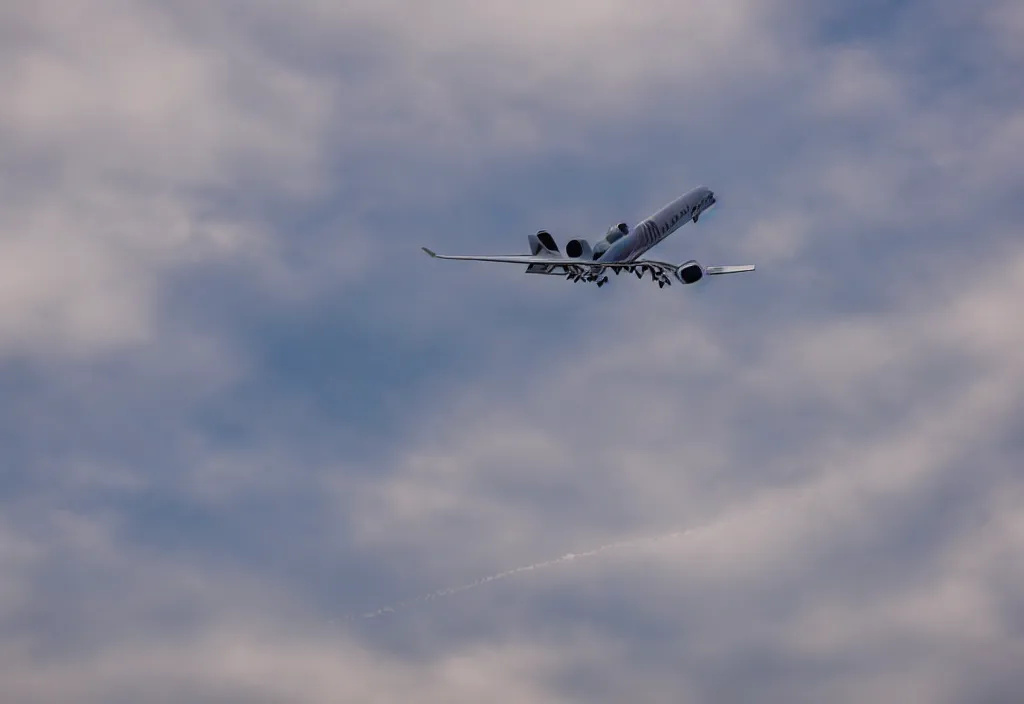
x: 240, y: 402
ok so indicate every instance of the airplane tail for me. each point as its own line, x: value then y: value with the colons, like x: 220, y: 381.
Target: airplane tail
x: 543, y: 245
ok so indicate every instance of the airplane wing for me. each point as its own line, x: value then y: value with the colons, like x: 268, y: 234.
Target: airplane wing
x: 658, y: 270
x: 511, y: 258
x: 666, y: 268
x: 555, y: 261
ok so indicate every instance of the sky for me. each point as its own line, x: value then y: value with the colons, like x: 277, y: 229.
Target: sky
x: 256, y: 447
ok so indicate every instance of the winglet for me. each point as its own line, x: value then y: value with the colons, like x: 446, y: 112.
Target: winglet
x: 433, y: 254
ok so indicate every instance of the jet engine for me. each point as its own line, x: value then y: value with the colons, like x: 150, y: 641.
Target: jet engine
x: 689, y: 272
x: 616, y: 233
x: 578, y: 249
x: 542, y: 242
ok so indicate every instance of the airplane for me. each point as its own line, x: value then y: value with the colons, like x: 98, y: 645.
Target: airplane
x: 619, y: 250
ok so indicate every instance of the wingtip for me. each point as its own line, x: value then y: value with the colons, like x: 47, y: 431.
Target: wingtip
x: 431, y: 253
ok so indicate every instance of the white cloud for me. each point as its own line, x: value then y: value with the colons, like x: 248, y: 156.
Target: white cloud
x: 118, y: 124
x: 636, y: 454
x: 161, y: 627
x: 815, y: 447
x: 680, y: 407
x: 252, y: 665
x: 117, y: 162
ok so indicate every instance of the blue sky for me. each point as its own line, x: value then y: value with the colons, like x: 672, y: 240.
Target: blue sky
x: 240, y: 405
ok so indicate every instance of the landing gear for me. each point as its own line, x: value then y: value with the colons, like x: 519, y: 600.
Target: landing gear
x: 577, y: 274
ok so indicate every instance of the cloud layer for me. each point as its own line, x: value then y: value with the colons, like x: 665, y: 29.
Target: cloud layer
x: 241, y: 405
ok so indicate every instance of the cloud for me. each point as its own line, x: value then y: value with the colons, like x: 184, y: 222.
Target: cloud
x: 242, y: 403
x: 167, y: 630
x: 859, y: 376
x: 113, y: 163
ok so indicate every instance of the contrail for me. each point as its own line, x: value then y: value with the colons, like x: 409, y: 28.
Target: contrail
x: 568, y: 557
x: 716, y: 523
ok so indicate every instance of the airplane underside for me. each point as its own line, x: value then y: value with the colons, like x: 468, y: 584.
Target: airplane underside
x: 595, y: 274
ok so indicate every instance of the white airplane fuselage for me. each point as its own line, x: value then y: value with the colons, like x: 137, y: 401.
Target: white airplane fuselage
x: 649, y: 232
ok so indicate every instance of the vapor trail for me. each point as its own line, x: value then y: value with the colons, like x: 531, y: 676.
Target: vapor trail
x: 568, y: 557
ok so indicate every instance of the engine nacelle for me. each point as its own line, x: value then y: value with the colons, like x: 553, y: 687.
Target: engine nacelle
x: 689, y: 272
x: 613, y: 235
x: 616, y: 233
x: 542, y: 242
x: 578, y: 249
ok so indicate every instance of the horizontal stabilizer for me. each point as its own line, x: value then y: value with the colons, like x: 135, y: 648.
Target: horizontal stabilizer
x: 736, y: 269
